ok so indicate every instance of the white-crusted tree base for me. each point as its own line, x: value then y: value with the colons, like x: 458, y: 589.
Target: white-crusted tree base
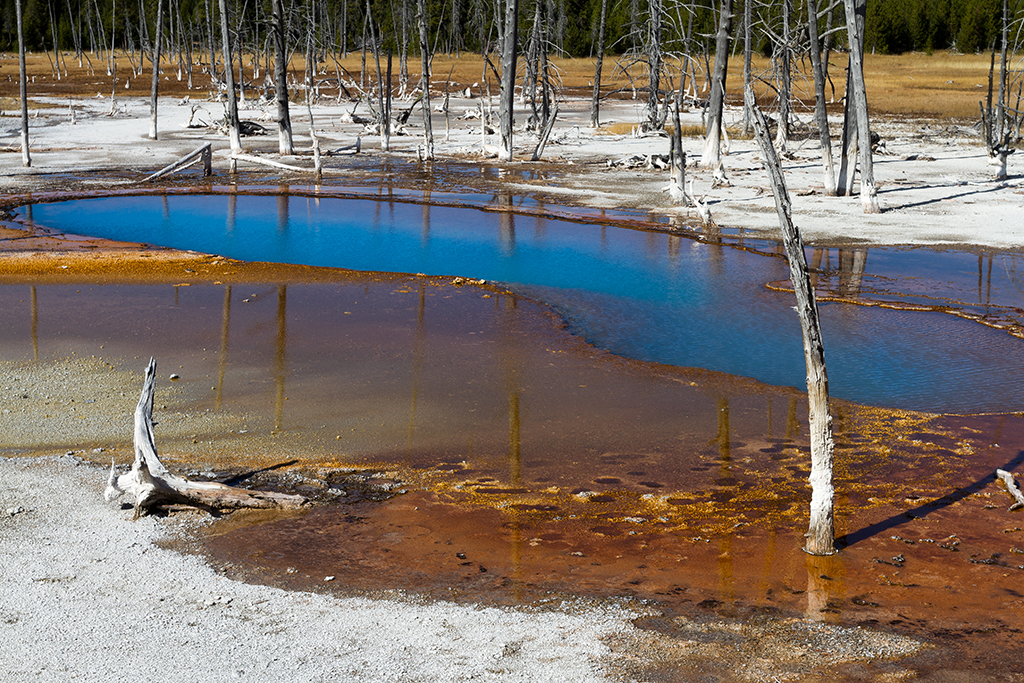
x: 150, y: 483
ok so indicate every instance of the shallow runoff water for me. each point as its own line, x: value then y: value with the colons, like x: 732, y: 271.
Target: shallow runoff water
x: 646, y: 295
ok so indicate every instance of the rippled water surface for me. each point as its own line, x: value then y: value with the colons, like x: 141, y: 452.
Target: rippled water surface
x: 650, y: 296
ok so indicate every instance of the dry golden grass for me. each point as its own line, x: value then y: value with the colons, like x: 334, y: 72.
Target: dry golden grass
x: 941, y: 85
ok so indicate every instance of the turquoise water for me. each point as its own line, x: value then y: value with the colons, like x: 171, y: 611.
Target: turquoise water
x: 650, y: 296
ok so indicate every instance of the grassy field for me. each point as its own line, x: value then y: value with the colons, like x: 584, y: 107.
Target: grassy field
x: 941, y: 85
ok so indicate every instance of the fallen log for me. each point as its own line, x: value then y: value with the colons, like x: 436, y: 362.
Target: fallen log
x: 1012, y: 489
x: 277, y: 164
x: 150, y: 483
x: 203, y: 153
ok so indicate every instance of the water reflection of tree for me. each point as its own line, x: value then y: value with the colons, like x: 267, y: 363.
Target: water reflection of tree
x: 280, y: 350
x: 418, y: 354
x: 851, y: 265
x: 35, y: 325
x: 222, y: 357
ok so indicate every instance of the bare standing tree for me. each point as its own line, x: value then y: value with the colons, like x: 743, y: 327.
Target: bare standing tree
x: 284, y: 121
x: 712, y: 155
x: 855, y: 11
x: 821, y: 530
x: 820, y: 112
x: 155, y: 54
x: 748, y: 17
x: 595, y: 102
x: 229, y: 79
x: 26, y: 158
x: 783, y: 54
x: 509, y: 55
x: 653, y: 48
x: 428, y: 130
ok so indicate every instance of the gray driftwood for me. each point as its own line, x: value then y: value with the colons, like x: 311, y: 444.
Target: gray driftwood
x: 150, y: 483
x: 1011, y: 487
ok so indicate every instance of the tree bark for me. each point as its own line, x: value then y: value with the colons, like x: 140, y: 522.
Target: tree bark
x: 150, y: 483
x: 26, y: 157
x: 821, y: 531
x: 820, y: 111
x: 509, y: 55
x: 712, y: 155
x: 155, y: 54
x: 284, y: 122
x: 855, y: 10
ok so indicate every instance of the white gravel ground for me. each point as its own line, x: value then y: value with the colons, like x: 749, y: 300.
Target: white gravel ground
x: 86, y: 595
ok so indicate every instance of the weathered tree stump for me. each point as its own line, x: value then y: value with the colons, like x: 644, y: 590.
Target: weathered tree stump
x: 150, y: 483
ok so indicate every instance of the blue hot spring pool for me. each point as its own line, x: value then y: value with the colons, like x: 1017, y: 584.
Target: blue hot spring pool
x: 646, y: 295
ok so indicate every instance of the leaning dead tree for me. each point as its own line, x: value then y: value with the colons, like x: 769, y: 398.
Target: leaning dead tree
x: 821, y: 531
x: 150, y: 483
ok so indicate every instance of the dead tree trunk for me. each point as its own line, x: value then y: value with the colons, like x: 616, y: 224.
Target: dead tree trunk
x: 748, y: 17
x: 848, y: 148
x: 855, y: 10
x: 229, y: 79
x: 428, y: 129
x: 677, y: 158
x: 509, y: 54
x: 26, y: 158
x: 654, y: 120
x: 712, y: 155
x: 821, y: 532
x: 155, y: 58
x: 1001, y: 102
x: 595, y: 102
x: 783, y: 52
x: 150, y: 483
x: 284, y: 121
x: 820, y: 112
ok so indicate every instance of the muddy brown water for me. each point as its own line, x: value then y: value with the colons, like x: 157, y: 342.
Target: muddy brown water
x: 523, y: 466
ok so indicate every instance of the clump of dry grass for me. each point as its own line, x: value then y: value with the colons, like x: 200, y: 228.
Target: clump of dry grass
x: 688, y: 131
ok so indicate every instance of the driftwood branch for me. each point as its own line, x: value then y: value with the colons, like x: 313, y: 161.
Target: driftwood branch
x: 1011, y: 488
x: 150, y: 483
